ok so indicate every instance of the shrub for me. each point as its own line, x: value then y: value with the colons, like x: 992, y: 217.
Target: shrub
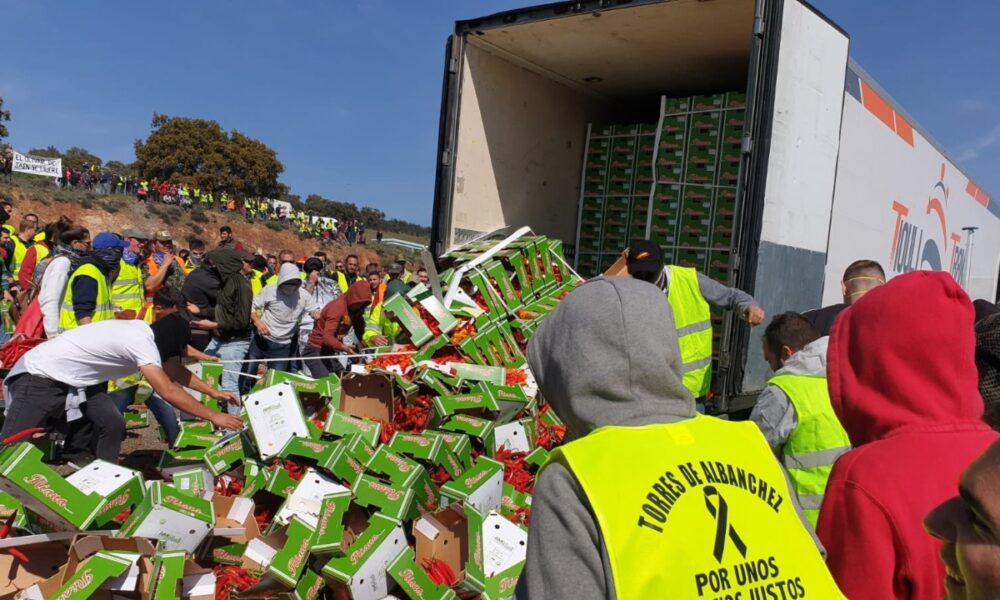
x: 273, y: 226
x: 87, y: 203
x: 199, y: 216
x: 111, y: 207
x: 196, y: 228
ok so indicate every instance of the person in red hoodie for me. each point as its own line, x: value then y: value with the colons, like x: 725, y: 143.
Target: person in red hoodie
x: 903, y: 382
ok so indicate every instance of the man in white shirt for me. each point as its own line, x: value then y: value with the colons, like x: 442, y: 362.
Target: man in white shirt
x: 69, y: 375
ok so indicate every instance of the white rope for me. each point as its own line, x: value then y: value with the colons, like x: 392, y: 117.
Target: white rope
x: 304, y: 358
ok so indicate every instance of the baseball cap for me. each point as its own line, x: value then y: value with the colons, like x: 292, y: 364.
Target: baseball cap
x: 136, y: 233
x: 163, y: 236
x: 644, y: 257
x: 106, y: 240
x: 313, y: 264
x: 395, y: 269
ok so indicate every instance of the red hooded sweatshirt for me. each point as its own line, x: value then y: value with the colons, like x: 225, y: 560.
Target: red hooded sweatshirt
x: 903, y: 381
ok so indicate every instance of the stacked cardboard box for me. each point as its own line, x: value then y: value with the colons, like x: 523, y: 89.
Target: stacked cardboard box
x: 677, y: 176
x: 409, y: 476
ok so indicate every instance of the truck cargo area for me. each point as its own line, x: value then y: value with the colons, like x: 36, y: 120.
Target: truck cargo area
x: 531, y: 81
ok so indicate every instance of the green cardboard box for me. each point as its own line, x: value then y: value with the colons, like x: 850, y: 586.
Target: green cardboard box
x: 121, y: 488
x: 280, y: 482
x: 481, y: 486
x: 228, y: 554
x: 392, y: 501
x: 180, y: 521
x: 468, y: 403
x: 361, y: 573
x: 275, y: 416
x: 459, y: 444
x: 197, y: 482
x: 11, y: 506
x: 414, y: 581
x: 537, y: 457
x: 342, y: 424
x: 399, y: 306
x: 474, y: 426
x: 309, y: 587
x: 306, y: 500
x: 513, y: 502
x: 289, y: 562
x: 168, y: 570
x: 318, y: 451
x: 510, y: 399
x: 330, y: 526
x: 228, y: 451
x: 398, y: 469
x: 85, y: 580
x: 421, y: 446
x: 467, y: 372
x: 498, y: 558
x: 434, y: 307
x: 196, y: 434
x: 44, y: 492
x: 136, y: 419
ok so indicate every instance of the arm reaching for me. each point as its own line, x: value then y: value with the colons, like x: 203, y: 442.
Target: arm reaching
x: 177, y: 397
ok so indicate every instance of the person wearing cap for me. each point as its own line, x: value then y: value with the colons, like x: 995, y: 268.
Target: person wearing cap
x: 381, y: 327
x: 277, y: 311
x: 87, y: 298
x: 68, y: 377
x: 690, y: 293
x: 646, y: 498
x: 403, y: 274
x: 127, y: 291
x: 323, y: 289
x: 161, y: 267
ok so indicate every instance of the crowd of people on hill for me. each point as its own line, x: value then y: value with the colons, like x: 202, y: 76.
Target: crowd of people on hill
x: 94, y: 178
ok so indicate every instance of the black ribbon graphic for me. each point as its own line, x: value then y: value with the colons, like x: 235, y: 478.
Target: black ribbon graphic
x: 722, y: 526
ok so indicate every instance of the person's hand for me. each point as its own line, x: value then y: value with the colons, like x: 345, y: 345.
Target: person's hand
x: 754, y: 315
x: 379, y: 340
x: 227, y: 421
x: 203, y: 324
x: 262, y: 328
x: 168, y: 258
x: 224, y: 396
x: 193, y: 309
x: 313, y: 278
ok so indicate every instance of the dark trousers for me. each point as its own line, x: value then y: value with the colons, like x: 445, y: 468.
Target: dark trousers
x: 261, y: 347
x: 319, y: 367
x: 34, y: 401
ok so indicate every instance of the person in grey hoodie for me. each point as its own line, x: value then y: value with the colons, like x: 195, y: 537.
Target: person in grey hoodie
x: 607, y: 361
x: 794, y: 411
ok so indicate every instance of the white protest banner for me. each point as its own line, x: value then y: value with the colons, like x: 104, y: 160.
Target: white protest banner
x: 37, y: 165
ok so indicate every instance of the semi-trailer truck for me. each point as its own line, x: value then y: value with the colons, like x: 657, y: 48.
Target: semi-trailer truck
x: 831, y: 169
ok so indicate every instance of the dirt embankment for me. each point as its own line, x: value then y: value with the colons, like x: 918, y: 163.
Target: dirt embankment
x: 116, y: 213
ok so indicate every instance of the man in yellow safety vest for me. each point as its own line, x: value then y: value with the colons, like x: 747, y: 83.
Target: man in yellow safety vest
x: 128, y: 291
x: 794, y: 411
x: 349, y: 273
x: 653, y: 499
x: 690, y: 293
x: 87, y: 298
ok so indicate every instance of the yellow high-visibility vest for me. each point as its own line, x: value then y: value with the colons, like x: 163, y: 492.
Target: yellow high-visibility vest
x: 102, y: 312
x: 693, y: 320
x: 20, y: 249
x: 344, y: 282
x: 127, y: 291
x: 696, y: 509
x: 817, y: 441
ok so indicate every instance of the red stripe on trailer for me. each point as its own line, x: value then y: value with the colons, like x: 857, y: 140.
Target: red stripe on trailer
x: 877, y: 106
x: 977, y: 194
x: 904, y: 129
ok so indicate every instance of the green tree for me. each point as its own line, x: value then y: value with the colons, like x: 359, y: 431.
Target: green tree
x: 199, y: 153
x: 119, y: 168
x: 75, y: 158
x: 50, y: 152
x: 4, y: 116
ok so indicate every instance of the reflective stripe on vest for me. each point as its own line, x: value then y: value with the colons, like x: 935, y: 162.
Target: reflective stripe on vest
x: 127, y: 290
x: 693, y: 320
x: 695, y: 509
x: 102, y: 312
x: 816, y: 442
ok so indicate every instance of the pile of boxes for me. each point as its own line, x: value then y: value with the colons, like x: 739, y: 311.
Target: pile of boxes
x: 411, y: 475
x: 673, y: 182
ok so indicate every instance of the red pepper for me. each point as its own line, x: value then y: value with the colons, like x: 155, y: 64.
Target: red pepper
x: 18, y: 555
x: 7, y: 525
x: 439, y: 572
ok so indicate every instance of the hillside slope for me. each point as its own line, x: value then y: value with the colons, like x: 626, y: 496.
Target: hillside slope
x: 115, y: 213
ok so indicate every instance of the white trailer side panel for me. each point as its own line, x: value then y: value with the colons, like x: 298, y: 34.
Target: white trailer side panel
x: 901, y: 201
x: 801, y: 170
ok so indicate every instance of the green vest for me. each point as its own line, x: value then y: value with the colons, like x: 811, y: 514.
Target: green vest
x: 20, y: 249
x: 695, y: 509
x: 344, y: 282
x: 693, y: 320
x: 817, y: 441
x: 103, y: 311
x: 127, y: 292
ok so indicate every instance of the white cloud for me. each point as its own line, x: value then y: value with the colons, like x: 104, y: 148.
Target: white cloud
x: 988, y: 140
x: 973, y: 104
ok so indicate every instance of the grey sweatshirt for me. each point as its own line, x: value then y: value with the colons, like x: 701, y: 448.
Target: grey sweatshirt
x: 607, y: 355
x: 774, y: 413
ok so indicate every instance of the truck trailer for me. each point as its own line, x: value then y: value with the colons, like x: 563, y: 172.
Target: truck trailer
x: 828, y: 168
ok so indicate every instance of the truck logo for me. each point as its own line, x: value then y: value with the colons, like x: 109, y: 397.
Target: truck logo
x: 921, y: 240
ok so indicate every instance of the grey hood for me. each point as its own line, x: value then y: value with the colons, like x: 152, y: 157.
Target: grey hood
x: 608, y: 355
x: 288, y: 272
x: 810, y: 360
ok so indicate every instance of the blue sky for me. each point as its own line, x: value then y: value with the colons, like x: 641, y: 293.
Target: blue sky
x: 348, y: 92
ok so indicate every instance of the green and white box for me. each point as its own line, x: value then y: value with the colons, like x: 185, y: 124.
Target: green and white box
x: 480, y: 487
x: 121, y: 488
x: 414, y: 581
x: 180, y: 521
x: 306, y: 500
x: 362, y: 571
x: 44, y: 492
x: 504, y: 549
x: 276, y: 416
x: 197, y: 482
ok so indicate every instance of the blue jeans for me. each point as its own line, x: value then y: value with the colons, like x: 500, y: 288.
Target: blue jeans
x: 232, y: 350
x: 261, y: 347
x: 162, y: 411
